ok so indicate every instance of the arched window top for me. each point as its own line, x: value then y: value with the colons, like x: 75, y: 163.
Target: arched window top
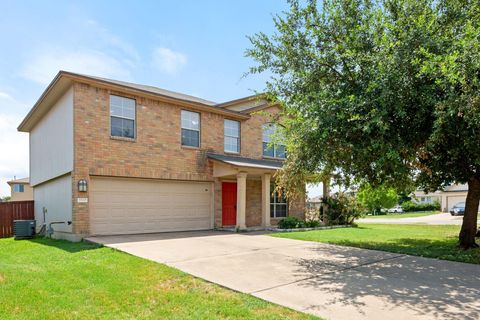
x: 273, y: 144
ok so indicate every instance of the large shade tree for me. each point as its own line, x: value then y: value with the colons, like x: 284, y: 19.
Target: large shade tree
x: 379, y: 92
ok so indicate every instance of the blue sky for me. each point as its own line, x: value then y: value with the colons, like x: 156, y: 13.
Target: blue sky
x: 194, y: 47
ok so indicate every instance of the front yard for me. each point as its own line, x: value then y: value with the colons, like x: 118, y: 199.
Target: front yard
x: 51, y: 279
x: 433, y: 241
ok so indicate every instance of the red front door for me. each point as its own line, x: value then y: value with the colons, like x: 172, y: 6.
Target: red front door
x: 229, y: 203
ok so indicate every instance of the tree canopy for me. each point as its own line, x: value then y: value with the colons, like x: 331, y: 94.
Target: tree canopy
x: 383, y: 92
x: 375, y: 199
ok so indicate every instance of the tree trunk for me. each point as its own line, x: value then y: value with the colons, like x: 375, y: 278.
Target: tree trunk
x: 326, y: 187
x: 469, y: 225
x: 326, y: 194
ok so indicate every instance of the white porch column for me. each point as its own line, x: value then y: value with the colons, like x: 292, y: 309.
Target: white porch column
x: 266, y: 200
x: 241, y: 200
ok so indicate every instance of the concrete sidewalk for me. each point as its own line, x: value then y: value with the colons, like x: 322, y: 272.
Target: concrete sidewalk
x: 434, y: 219
x: 330, y: 281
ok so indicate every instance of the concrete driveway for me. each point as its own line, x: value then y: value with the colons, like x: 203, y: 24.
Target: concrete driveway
x: 330, y: 281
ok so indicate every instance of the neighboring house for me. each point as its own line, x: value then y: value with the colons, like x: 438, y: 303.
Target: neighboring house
x: 151, y: 160
x: 20, y: 190
x: 448, y: 198
x: 314, y: 203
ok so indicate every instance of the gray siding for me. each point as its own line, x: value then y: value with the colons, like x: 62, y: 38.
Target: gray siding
x: 51, y: 142
x: 56, y: 197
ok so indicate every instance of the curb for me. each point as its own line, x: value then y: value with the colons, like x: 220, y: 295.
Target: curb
x: 310, y: 229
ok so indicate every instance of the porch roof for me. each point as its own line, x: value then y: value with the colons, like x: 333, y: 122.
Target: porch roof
x: 246, y: 162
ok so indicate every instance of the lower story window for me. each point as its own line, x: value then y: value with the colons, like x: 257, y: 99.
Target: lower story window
x: 278, y: 204
x: 426, y: 199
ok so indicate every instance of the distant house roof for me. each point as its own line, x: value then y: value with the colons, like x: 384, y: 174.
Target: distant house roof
x: 447, y: 189
x: 246, y: 162
x: 315, y: 199
x: 457, y: 188
x: 21, y: 181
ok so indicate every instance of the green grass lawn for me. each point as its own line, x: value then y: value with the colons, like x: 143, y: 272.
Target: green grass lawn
x: 419, y: 240
x: 403, y: 215
x: 52, y: 279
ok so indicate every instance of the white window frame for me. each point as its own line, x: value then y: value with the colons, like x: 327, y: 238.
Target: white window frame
x: 272, y: 144
x: 134, y: 118
x: 428, y: 199
x: 17, y: 187
x: 188, y: 112
x: 225, y: 136
x: 275, y: 196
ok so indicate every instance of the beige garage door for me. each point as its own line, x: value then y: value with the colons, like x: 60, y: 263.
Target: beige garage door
x: 453, y: 200
x: 125, y: 206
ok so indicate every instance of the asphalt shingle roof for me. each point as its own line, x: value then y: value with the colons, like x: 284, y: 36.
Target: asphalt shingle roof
x: 246, y: 162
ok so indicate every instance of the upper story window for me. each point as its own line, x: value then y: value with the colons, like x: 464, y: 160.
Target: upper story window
x: 272, y: 148
x: 190, y: 129
x: 18, y: 188
x: 122, y: 117
x: 231, y: 130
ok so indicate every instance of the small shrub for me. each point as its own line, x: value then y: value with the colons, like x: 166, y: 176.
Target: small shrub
x: 291, y: 223
x: 312, y: 223
x: 409, y: 206
x: 301, y: 224
x: 342, y: 209
x: 294, y: 223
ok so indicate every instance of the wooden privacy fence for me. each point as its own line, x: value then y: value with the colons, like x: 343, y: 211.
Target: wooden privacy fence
x: 14, y: 210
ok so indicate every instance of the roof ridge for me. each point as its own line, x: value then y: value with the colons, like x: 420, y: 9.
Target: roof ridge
x: 208, y: 102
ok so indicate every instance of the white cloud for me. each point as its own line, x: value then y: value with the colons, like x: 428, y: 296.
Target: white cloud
x: 13, y: 146
x: 89, y: 49
x: 95, y: 51
x: 43, y: 66
x: 6, y: 96
x: 168, y: 61
x: 103, y: 35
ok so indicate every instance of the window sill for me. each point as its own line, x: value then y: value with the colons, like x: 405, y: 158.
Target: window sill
x: 123, y: 139
x: 190, y: 147
x: 232, y: 153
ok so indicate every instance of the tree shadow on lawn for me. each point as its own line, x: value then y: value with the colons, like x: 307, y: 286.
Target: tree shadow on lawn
x: 445, y: 249
x: 425, y: 287
x: 65, y: 245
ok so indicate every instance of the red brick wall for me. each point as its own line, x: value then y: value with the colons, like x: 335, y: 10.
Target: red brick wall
x: 251, y: 144
x: 156, y: 151
x: 254, y: 203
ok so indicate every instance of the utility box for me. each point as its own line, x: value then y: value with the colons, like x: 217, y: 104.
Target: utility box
x: 24, y: 229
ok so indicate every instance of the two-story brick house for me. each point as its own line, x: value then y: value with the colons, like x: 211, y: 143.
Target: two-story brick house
x: 113, y: 157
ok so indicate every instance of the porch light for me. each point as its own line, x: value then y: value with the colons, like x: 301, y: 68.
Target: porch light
x: 82, y: 185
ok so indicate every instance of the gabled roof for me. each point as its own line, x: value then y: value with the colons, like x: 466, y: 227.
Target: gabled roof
x: 259, y: 102
x: 22, y: 181
x: 64, y: 79
x: 254, y: 97
x: 152, y: 89
x: 246, y: 162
